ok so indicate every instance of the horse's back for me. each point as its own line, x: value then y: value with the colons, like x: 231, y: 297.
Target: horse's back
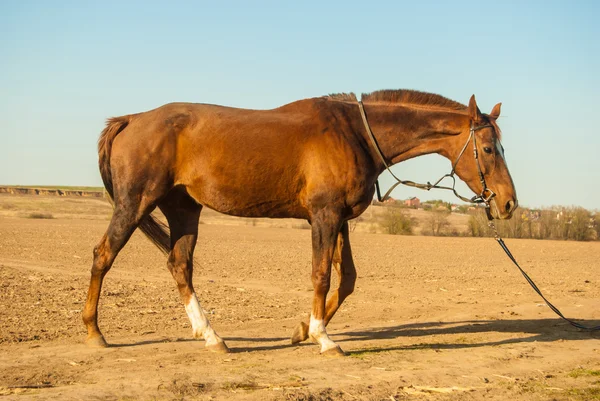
x: 237, y: 161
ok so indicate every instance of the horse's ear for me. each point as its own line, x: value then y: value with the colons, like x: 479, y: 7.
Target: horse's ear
x: 496, y: 111
x: 474, y: 110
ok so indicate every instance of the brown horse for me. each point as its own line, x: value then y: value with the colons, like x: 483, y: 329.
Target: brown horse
x: 311, y: 159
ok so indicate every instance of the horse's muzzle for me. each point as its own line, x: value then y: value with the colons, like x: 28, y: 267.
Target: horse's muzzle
x: 504, y: 212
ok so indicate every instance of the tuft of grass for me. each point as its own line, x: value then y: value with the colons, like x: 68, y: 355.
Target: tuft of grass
x: 243, y: 385
x: 185, y: 388
x: 463, y: 340
x: 366, y: 353
x: 587, y: 394
x: 40, y: 215
x: 584, y: 372
x: 360, y: 354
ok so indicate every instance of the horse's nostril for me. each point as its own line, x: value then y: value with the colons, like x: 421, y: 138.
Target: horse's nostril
x: 509, y: 206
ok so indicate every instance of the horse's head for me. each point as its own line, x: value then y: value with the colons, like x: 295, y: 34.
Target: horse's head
x: 484, y: 170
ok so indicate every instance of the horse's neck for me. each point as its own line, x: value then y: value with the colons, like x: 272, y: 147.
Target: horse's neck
x: 404, y: 132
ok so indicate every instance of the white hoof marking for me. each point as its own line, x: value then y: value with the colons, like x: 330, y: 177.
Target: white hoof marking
x: 200, y: 324
x: 317, y: 332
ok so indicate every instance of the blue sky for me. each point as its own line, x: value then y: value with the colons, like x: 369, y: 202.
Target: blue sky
x: 67, y: 66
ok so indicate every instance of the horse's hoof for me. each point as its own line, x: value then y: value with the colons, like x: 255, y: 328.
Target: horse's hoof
x: 333, y: 352
x: 96, y: 341
x: 219, y: 347
x: 300, y: 333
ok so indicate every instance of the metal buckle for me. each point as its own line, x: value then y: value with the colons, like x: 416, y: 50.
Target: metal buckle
x: 489, y: 198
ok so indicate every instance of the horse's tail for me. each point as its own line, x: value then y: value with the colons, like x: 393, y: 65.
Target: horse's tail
x: 114, y: 126
x: 156, y: 231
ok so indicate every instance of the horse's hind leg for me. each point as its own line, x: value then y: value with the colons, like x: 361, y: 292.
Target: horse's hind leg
x: 344, y: 265
x: 183, y: 213
x: 124, y: 221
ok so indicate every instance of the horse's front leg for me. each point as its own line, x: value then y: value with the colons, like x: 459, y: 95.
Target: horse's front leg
x: 325, y: 228
x: 342, y: 261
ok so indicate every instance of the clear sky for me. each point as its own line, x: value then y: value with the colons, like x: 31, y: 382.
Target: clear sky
x: 65, y: 66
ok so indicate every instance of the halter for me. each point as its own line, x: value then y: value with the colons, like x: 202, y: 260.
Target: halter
x: 486, y: 194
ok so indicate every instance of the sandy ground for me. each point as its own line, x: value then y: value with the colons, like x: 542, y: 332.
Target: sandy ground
x: 431, y: 318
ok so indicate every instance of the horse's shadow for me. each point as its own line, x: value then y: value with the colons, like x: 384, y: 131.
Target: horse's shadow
x: 526, y: 331
x: 277, y: 340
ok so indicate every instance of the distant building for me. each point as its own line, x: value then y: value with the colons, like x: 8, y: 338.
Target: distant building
x: 413, y: 202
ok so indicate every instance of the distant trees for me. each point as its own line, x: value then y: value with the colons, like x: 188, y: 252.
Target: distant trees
x: 397, y: 221
x: 437, y: 223
x: 560, y: 223
x: 436, y: 205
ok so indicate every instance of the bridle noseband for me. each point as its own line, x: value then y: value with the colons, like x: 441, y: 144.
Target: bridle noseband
x: 486, y: 194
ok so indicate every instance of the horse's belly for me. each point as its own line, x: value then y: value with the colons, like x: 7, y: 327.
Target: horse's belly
x: 249, y: 200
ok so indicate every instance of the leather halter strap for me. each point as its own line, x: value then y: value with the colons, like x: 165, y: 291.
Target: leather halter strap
x: 481, y: 198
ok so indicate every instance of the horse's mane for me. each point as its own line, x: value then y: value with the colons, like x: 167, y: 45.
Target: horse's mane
x: 409, y: 96
x: 406, y: 96
x: 344, y: 97
x: 412, y: 97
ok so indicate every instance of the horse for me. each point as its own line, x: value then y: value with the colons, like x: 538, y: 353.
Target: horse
x: 311, y: 159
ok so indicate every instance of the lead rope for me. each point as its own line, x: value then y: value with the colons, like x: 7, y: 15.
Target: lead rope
x: 532, y: 284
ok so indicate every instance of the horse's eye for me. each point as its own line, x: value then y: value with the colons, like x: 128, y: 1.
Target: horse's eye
x: 487, y: 150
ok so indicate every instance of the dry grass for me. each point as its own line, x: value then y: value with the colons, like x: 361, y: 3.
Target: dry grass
x: 40, y: 215
x: 584, y: 372
x: 34, y: 206
x: 61, y: 187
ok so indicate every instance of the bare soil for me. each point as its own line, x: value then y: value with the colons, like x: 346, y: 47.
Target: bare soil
x: 431, y: 318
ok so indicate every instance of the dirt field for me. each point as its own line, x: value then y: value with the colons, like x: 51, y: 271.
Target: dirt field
x: 431, y: 318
